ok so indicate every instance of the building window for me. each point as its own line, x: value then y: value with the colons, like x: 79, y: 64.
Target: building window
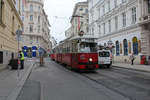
x: 123, y: 1
x: 81, y: 9
x: 22, y: 18
x: 103, y: 9
x: 1, y: 10
x: 116, y: 22
x: 31, y: 39
x: 124, y: 19
x: 31, y: 17
x: 39, y: 8
x: 129, y: 46
x: 38, y: 19
x: 39, y: 28
x: 125, y: 45
x: 139, y: 46
x: 37, y: 40
x: 13, y: 24
x: 98, y: 11
x: 135, y: 46
x: 1, y: 57
x: 31, y: 8
x: 86, y: 11
x: 109, y: 23
x: 23, y: 7
x: 120, y: 48
x: 117, y: 48
x: 115, y: 3
x: 87, y: 29
x: 133, y: 15
x: 108, y: 5
x: 148, y: 6
x: 31, y: 28
x: 92, y: 30
x: 99, y: 26
x: 104, y: 30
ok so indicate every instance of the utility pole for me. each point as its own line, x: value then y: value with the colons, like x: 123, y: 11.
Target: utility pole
x: 18, y: 33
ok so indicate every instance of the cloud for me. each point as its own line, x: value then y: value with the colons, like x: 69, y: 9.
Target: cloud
x: 63, y: 9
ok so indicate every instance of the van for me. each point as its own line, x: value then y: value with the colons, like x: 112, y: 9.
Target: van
x: 104, y: 58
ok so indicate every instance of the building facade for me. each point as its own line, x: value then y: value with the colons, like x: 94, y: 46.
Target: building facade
x: 36, y: 32
x: 10, y: 22
x: 122, y: 23
x: 79, y: 21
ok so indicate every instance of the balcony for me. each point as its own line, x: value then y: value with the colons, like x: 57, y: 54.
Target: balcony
x: 36, y: 1
x: 144, y: 19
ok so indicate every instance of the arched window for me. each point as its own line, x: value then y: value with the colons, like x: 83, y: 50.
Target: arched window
x: 135, y: 45
x: 125, y: 46
x: 117, y: 48
x: 139, y: 46
x: 38, y: 19
x: 129, y: 46
x: 120, y: 48
x: 31, y: 8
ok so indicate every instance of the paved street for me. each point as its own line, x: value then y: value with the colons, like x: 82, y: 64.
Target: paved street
x: 132, y: 84
x: 54, y: 82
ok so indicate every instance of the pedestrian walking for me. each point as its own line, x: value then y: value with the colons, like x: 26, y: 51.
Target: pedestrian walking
x: 21, y: 60
x: 132, y: 58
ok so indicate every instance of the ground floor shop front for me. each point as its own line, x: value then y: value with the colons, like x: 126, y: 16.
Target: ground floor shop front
x: 134, y: 41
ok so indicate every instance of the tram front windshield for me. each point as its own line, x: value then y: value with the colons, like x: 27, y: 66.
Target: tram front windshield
x: 88, y: 47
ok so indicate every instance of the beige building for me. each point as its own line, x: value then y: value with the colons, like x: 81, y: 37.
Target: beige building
x: 36, y: 33
x: 10, y: 22
x: 79, y: 20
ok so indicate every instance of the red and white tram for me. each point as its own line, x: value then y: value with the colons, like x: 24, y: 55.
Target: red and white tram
x: 78, y: 53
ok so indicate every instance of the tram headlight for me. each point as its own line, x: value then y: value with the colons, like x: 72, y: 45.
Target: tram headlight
x: 90, y: 59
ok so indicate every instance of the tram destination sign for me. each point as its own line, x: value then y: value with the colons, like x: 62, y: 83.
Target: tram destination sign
x: 87, y: 40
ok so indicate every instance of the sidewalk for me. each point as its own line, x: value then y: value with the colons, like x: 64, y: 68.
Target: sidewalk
x: 11, y: 81
x: 2, y: 67
x: 145, y: 68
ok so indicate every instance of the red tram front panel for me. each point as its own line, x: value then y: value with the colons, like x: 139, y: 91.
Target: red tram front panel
x: 85, y: 60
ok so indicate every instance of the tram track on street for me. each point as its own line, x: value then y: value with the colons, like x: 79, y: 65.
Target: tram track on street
x: 124, y: 87
x: 130, y: 84
x: 108, y: 87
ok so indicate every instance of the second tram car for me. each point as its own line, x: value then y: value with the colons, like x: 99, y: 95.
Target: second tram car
x: 78, y: 53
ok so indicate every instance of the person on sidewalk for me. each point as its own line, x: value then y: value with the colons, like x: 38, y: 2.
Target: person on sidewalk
x: 132, y: 58
x: 21, y: 59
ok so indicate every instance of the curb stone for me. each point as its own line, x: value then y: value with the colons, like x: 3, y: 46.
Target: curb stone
x: 133, y: 69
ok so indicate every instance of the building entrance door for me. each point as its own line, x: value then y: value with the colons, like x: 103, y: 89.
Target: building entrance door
x: 1, y: 57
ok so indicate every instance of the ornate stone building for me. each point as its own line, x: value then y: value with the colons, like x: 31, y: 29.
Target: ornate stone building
x: 10, y: 22
x: 79, y: 20
x: 123, y: 22
x: 36, y: 32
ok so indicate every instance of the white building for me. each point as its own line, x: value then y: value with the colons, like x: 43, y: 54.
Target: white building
x: 79, y: 20
x: 68, y: 32
x: 122, y: 22
x: 53, y: 41
x: 36, y: 33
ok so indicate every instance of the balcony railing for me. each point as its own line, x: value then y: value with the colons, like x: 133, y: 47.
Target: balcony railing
x: 144, y: 19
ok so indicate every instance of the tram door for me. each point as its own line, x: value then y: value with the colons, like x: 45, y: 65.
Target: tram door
x: 74, y: 54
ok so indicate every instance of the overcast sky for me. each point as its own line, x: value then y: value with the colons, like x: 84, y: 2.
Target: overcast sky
x: 59, y: 13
